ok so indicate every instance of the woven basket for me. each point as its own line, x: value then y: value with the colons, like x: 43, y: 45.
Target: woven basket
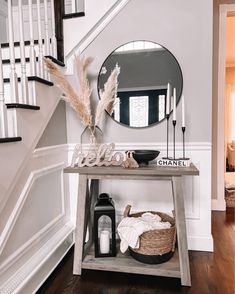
x: 230, y: 198
x: 156, y: 246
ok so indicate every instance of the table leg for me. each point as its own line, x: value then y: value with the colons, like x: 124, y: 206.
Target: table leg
x: 181, y: 230
x: 80, y: 225
x: 94, y: 191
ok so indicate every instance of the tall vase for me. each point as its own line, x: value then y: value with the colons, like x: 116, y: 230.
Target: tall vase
x: 90, y: 140
x: 91, y: 136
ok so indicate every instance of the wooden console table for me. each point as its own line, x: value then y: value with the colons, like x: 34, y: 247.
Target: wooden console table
x: 177, y: 266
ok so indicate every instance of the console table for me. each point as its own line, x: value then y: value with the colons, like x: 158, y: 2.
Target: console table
x: 89, y: 177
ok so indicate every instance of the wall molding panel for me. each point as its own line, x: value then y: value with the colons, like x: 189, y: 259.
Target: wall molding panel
x: 63, y: 238
x: 20, y: 203
x: 42, y: 234
x: 40, y: 250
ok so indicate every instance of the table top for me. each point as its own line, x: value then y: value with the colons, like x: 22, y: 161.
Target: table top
x: 149, y: 170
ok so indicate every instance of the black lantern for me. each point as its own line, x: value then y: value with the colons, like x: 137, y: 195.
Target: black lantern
x: 104, y: 227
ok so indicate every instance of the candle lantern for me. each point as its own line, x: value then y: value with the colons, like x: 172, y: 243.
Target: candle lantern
x: 104, y: 227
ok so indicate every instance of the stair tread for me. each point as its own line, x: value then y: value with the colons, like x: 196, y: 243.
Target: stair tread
x: 24, y: 106
x: 27, y: 59
x: 17, y: 44
x: 10, y: 139
x: 58, y: 62
x: 73, y: 15
x: 17, y: 60
x: 32, y: 78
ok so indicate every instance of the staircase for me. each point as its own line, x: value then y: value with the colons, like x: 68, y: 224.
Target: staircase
x: 36, y: 227
x: 27, y: 103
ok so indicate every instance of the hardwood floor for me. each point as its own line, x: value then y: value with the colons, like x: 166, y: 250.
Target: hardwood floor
x: 212, y: 273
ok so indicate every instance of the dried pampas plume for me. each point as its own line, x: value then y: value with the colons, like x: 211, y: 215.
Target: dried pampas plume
x: 107, y: 96
x: 79, y: 102
x: 81, y: 69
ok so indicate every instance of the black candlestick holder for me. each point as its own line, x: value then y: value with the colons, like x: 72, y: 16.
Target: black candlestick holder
x: 174, y: 125
x: 167, y: 137
x: 183, y: 132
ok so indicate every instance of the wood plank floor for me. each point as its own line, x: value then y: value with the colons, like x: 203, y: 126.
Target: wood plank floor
x: 212, y: 273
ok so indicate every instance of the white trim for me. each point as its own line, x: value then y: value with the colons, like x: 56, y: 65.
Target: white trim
x: 224, y: 10
x: 42, y: 151
x: 22, y: 198
x: 218, y: 204
x: 201, y: 243
x: 24, y: 274
x: 98, y: 28
x: 161, y: 146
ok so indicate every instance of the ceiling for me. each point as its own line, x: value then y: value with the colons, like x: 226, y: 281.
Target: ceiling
x: 230, y: 47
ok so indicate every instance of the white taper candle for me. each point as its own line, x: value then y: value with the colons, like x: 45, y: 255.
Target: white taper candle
x: 174, y: 104
x: 168, y: 95
x: 104, y: 242
x: 183, y: 111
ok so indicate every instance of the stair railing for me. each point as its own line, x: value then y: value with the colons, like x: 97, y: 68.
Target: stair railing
x: 53, y: 31
x: 46, y: 30
x: 32, y: 48
x: 40, y: 46
x: 24, y: 79
x: 13, y: 75
x: 3, y: 109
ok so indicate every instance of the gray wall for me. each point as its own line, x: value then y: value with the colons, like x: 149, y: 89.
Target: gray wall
x: 185, y: 29
x: 55, y: 133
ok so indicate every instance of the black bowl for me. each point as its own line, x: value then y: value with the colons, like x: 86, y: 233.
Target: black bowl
x: 144, y: 156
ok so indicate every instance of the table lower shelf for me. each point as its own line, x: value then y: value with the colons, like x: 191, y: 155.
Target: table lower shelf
x: 125, y: 263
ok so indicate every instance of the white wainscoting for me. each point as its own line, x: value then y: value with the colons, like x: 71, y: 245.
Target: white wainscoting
x: 158, y: 195
x: 39, y: 231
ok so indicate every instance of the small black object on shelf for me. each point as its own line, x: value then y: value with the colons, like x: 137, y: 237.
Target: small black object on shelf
x: 144, y: 156
x: 104, y: 227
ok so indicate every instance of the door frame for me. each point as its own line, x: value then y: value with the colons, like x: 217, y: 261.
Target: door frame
x: 224, y: 11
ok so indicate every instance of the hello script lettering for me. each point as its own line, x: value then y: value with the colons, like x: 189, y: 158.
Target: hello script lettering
x: 104, y: 156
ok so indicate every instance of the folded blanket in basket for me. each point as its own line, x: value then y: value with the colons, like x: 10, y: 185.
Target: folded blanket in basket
x: 130, y: 228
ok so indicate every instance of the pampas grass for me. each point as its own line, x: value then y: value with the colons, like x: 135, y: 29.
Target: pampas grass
x: 107, y: 96
x: 80, y: 102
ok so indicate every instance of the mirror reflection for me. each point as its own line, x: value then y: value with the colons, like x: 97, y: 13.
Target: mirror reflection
x: 145, y: 70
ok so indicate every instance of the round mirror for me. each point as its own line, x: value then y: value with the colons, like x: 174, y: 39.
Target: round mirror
x: 146, y: 68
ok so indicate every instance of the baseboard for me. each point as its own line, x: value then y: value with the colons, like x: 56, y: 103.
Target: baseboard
x: 218, y: 204
x: 201, y: 243
x: 32, y: 274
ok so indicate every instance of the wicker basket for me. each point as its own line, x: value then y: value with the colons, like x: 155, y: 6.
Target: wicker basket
x: 230, y: 198
x: 156, y: 246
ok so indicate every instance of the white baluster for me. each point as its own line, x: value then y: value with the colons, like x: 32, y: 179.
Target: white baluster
x: 24, y: 79
x: 3, y: 109
x: 40, y: 49
x: 32, y: 49
x: 47, y: 38
x: 53, y: 38
x: 13, y: 75
x: 79, y: 5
